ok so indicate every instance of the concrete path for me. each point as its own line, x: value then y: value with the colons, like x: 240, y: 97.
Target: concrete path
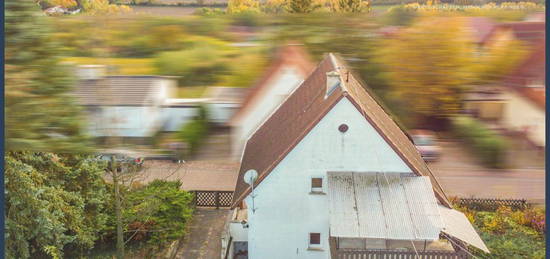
x: 203, y: 239
x: 460, y: 174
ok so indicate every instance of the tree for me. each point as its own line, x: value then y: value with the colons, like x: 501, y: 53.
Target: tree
x: 498, y: 59
x: 240, y: 6
x: 301, y: 6
x: 351, y: 6
x: 429, y: 65
x: 55, y: 203
x: 39, y: 111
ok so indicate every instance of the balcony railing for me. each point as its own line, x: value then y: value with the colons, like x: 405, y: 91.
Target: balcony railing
x: 396, y: 254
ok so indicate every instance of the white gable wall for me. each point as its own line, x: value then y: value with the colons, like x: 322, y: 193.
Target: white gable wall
x: 281, y: 85
x: 286, y: 212
x: 520, y: 113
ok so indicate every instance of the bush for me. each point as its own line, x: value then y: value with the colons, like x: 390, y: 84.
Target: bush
x: 157, y: 213
x: 399, y: 16
x: 194, y: 132
x: 490, y: 147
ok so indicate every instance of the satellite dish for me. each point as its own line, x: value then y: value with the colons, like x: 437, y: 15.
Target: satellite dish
x: 250, y: 176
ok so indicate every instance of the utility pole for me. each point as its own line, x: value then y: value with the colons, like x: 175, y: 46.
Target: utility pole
x: 118, y: 211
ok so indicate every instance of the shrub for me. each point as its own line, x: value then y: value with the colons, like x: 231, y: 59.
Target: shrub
x: 399, y: 16
x: 489, y: 146
x: 194, y: 132
x: 158, y: 212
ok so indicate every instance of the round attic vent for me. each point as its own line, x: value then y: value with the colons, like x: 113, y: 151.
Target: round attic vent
x: 343, y: 128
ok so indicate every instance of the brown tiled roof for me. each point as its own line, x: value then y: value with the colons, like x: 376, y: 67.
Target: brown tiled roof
x: 300, y: 113
x: 528, y: 32
x: 481, y: 27
x: 531, y: 70
x: 117, y: 90
x: 288, y: 55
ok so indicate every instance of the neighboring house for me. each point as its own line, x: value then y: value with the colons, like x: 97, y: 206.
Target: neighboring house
x: 222, y: 102
x: 516, y: 104
x: 290, y: 67
x: 178, y: 111
x: 122, y: 106
x: 530, y: 33
x: 338, y: 178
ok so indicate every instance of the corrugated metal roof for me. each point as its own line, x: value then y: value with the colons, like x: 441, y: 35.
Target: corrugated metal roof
x: 387, y: 206
x: 458, y: 226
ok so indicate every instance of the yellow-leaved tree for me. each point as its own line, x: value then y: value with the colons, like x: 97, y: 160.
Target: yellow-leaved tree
x: 428, y: 66
x: 240, y: 6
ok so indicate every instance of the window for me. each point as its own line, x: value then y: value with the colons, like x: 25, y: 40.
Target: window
x: 316, y: 185
x: 314, y: 239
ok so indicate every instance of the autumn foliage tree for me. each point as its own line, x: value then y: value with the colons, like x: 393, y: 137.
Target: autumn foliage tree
x: 428, y: 65
x: 350, y: 6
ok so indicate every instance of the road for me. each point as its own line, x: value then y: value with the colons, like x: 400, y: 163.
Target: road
x: 461, y: 175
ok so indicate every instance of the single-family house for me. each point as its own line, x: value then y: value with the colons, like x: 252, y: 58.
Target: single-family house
x: 516, y: 103
x: 330, y: 174
x: 122, y: 106
x: 291, y: 65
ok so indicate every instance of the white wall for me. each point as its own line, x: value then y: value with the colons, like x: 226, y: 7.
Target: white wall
x: 520, y: 112
x: 286, y: 212
x: 283, y: 82
x: 125, y: 121
x: 175, y: 117
x: 221, y: 112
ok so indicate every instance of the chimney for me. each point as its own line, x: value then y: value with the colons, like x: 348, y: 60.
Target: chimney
x: 333, y: 81
x: 90, y: 72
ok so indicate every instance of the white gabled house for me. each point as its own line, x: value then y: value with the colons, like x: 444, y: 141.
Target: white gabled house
x: 336, y: 178
x: 290, y: 67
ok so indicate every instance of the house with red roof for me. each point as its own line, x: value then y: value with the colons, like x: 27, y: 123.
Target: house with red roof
x: 329, y: 174
x: 290, y: 66
x: 516, y: 104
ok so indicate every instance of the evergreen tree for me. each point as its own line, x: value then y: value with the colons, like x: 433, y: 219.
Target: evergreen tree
x: 39, y: 111
x: 53, y: 203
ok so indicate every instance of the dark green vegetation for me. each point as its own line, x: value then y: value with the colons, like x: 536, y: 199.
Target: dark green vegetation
x: 194, y: 132
x: 53, y: 202
x: 485, y: 143
x: 60, y: 205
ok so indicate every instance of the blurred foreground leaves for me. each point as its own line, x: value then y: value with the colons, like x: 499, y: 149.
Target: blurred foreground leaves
x: 39, y: 112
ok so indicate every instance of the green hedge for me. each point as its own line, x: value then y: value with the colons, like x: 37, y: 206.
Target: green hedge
x: 488, y: 145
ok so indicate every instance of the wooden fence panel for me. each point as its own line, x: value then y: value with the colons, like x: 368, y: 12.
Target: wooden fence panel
x: 215, y: 199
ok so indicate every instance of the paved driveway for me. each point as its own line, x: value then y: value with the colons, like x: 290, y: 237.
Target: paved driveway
x: 461, y: 175
x: 194, y: 175
x: 203, y: 239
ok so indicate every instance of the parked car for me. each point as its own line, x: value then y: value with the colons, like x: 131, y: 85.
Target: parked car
x: 426, y: 143
x: 122, y: 157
